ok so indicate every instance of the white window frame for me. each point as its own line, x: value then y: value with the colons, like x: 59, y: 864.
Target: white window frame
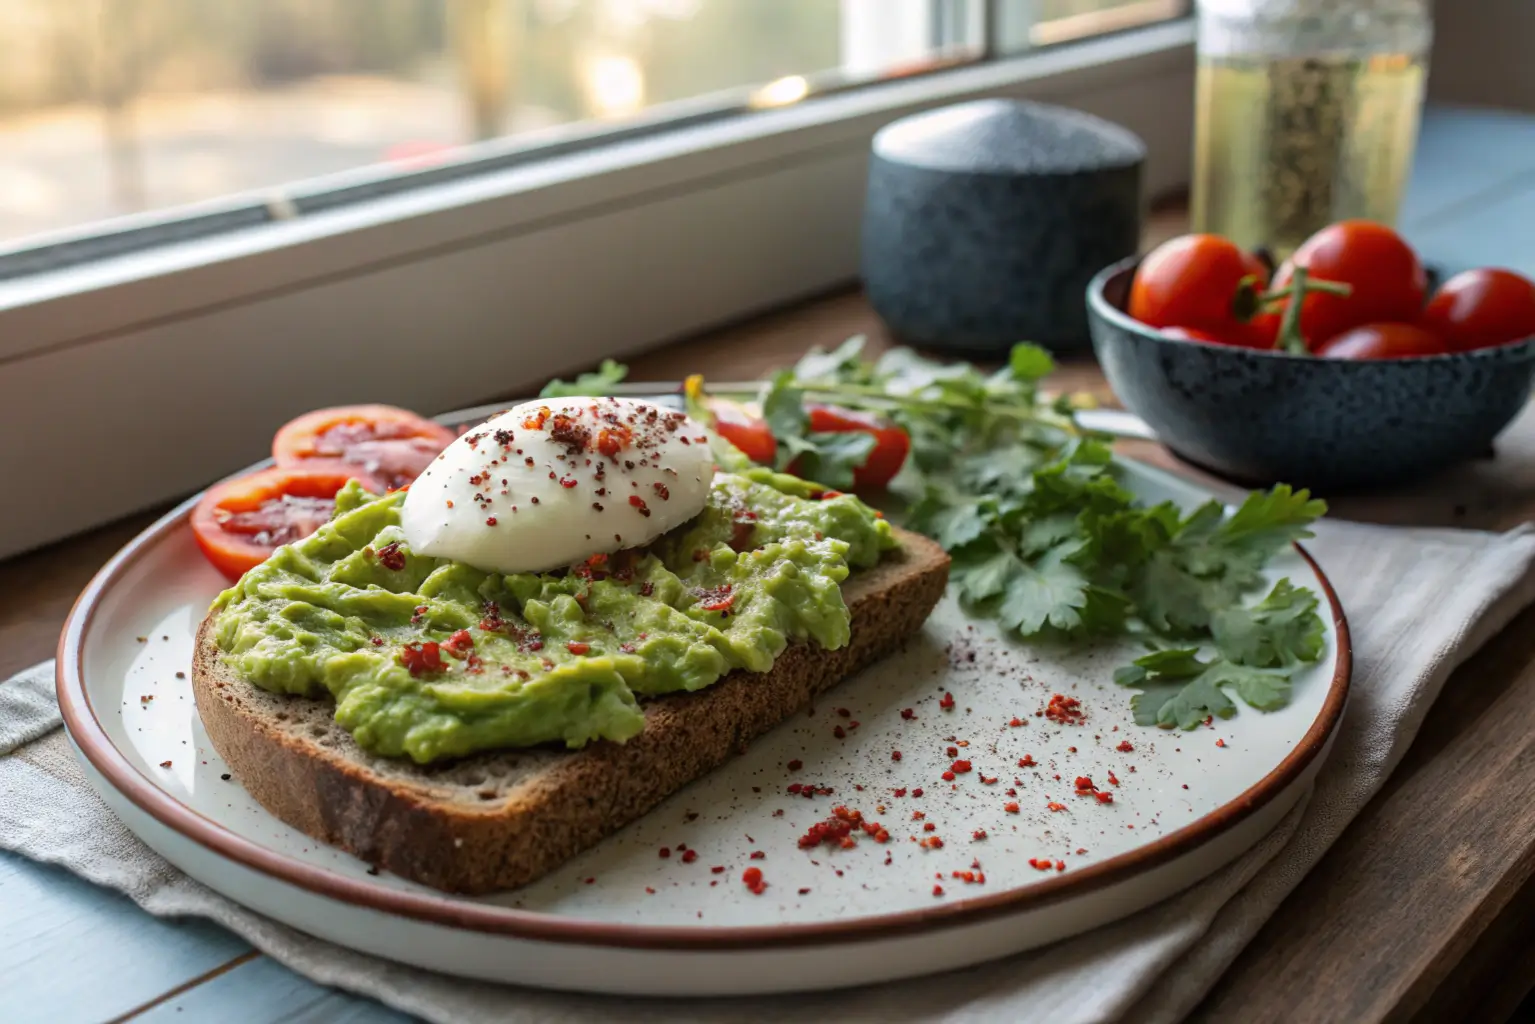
x: 128, y: 381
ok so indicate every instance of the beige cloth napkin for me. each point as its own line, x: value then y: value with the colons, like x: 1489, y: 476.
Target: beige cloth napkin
x: 1419, y: 603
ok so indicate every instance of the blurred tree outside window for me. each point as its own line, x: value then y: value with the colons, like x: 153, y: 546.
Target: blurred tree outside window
x: 112, y: 107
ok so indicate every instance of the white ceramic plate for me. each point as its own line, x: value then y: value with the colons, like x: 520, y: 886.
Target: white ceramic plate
x: 622, y: 918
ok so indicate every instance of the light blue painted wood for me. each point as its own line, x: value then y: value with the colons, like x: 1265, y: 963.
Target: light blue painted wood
x: 1494, y: 234
x: 70, y: 951
x: 265, y: 992
x: 1466, y: 158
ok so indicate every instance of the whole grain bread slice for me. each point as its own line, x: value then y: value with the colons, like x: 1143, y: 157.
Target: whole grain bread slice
x: 500, y: 820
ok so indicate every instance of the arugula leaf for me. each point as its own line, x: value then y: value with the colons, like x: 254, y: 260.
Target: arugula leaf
x: 1282, y: 629
x: 599, y: 382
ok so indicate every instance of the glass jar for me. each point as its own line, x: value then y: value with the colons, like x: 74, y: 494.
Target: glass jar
x: 1306, y: 112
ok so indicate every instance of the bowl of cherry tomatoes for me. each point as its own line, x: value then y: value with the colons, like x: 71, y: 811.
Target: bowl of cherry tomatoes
x: 1342, y: 368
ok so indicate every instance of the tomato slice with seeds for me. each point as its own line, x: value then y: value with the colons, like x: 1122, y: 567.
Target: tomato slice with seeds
x: 240, y: 522
x: 377, y: 443
x: 749, y: 433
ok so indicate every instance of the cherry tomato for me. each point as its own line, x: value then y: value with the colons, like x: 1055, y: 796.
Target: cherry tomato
x: 1192, y: 281
x: 1383, y: 341
x: 891, y: 443
x: 1483, y: 308
x: 240, y: 522
x: 1240, y: 335
x: 749, y: 433
x: 1387, y: 281
x: 379, y: 444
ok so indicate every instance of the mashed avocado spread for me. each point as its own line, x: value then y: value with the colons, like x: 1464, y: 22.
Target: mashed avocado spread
x: 433, y: 658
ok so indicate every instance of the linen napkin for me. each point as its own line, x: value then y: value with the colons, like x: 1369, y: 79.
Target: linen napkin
x: 1419, y: 603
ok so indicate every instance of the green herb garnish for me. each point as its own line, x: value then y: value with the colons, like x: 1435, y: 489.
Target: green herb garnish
x: 1046, y: 540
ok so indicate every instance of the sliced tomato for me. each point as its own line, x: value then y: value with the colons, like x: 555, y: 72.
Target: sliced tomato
x: 891, y: 443
x: 380, y: 444
x: 749, y: 433
x: 240, y: 522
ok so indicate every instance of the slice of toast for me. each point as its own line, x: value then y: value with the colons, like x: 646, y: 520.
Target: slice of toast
x: 502, y: 819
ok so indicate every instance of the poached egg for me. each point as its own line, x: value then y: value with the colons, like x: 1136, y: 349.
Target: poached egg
x: 552, y: 482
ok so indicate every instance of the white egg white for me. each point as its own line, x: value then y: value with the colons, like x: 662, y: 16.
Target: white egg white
x: 553, y: 482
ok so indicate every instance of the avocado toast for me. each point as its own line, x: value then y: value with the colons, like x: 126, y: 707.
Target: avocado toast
x: 498, y: 820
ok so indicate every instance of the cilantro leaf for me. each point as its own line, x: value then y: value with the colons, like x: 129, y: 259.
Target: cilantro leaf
x: 598, y: 382
x: 1180, y: 689
x: 1051, y: 591
x: 1029, y: 363
x: 1281, y: 629
x: 841, y: 363
x: 982, y: 570
x: 830, y: 458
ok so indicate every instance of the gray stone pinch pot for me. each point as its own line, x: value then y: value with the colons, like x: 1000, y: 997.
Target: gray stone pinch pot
x: 984, y: 221
x: 1262, y: 417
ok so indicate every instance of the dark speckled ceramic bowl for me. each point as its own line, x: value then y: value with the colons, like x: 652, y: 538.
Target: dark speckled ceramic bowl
x: 1261, y: 417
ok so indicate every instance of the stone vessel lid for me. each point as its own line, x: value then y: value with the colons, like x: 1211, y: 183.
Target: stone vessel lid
x: 1008, y: 137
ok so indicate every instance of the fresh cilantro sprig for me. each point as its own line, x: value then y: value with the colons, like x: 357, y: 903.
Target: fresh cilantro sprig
x: 598, y: 382
x: 1044, y: 537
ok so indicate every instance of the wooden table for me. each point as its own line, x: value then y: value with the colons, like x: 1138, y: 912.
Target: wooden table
x: 1423, y: 909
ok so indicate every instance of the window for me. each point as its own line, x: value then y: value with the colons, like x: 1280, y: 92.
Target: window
x: 230, y: 212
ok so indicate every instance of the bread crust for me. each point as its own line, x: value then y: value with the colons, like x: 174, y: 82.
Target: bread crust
x: 503, y: 819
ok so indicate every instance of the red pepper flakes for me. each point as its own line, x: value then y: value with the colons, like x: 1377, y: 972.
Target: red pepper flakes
x: 979, y: 833
x: 795, y: 787
x: 1220, y: 743
x: 844, y: 713
x: 964, y: 743
x: 1010, y: 807
x: 1209, y: 720
x: 1071, y: 750
x: 391, y: 557
x: 805, y: 891
x: 952, y: 751
x: 718, y: 869
x: 878, y: 831
x: 1113, y: 779
x: 578, y: 648
x: 665, y: 852
x: 908, y: 714
x: 1085, y: 784
x: 1065, y: 710
x: 1026, y: 761
x: 1185, y: 785
x: 931, y: 843
x: 757, y: 855
x: 960, y: 766
x: 1011, y: 791
x: 682, y: 846
x: 1124, y: 747
x: 929, y: 827
x: 900, y: 792
x: 937, y: 890
x: 948, y: 776
x: 1060, y: 865
x: 165, y: 764
x: 459, y: 644
x: 988, y: 780
x: 1040, y: 863
x: 1104, y: 798
x: 689, y: 856
x: 1015, y: 722
x: 917, y: 791
x: 918, y: 815
x: 422, y: 659
x: 752, y: 877
x: 839, y: 732
x: 795, y: 765
x: 650, y: 890
x: 947, y: 702
x: 852, y: 725
x: 895, y: 755
x: 1081, y: 850
x: 1052, y: 805
x: 589, y: 881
